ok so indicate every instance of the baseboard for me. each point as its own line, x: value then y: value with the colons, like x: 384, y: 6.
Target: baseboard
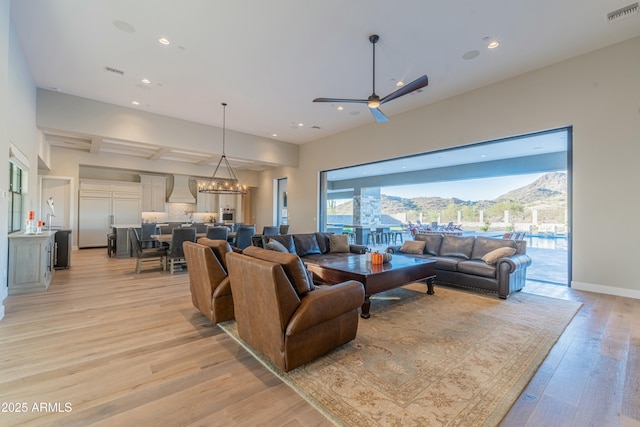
x: 609, y: 290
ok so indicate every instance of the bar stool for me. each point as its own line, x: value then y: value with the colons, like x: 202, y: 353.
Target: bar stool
x: 111, y: 244
x: 374, y: 237
x: 394, y: 236
x: 383, y: 236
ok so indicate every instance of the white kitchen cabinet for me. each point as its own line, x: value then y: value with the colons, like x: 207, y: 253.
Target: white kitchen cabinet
x: 104, y: 203
x: 207, y: 202
x: 154, y: 193
x: 31, y: 258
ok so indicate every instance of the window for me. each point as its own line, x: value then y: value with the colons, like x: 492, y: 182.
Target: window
x: 15, y: 198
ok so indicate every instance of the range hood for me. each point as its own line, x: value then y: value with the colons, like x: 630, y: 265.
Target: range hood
x: 181, y: 192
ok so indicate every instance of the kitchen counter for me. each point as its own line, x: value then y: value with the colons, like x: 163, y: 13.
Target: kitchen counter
x: 31, y: 258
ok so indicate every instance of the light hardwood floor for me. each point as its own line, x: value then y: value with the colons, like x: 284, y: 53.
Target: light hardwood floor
x: 106, y: 346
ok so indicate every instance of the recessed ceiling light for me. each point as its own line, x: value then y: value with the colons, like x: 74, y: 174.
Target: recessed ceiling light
x: 135, y: 102
x: 492, y: 43
x: 399, y: 83
x: 164, y: 40
x: 300, y: 124
x: 145, y: 81
x: 274, y: 135
x: 340, y: 108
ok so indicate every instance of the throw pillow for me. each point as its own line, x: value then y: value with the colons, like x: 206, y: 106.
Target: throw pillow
x: 493, y: 256
x: 338, y: 243
x: 412, y: 247
x: 306, y: 244
x: 286, y: 240
x: 274, y: 245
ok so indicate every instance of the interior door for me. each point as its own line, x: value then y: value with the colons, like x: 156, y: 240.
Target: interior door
x: 58, y: 189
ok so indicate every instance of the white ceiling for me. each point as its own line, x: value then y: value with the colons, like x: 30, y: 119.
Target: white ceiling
x: 269, y: 59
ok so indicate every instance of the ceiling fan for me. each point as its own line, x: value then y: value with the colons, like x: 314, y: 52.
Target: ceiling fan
x: 374, y: 101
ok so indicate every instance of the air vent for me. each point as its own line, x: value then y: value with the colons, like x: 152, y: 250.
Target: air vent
x: 632, y: 9
x: 114, y: 70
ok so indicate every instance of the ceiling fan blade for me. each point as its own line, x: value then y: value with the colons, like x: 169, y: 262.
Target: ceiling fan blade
x: 338, y: 100
x: 414, y: 85
x: 378, y: 115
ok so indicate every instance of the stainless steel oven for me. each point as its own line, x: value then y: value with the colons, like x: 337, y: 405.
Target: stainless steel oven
x: 227, y: 215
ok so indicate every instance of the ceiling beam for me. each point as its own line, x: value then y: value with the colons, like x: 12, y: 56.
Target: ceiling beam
x: 158, y: 154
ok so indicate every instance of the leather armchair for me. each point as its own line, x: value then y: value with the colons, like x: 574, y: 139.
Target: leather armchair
x: 278, y: 314
x: 208, y: 279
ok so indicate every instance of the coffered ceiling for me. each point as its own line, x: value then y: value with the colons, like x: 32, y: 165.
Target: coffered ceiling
x: 270, y: 59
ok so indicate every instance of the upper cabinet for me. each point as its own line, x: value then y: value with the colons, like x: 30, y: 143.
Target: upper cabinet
x: 154, y: 193
x: 207, y: 202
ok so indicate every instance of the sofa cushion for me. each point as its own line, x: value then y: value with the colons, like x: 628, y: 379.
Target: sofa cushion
x: 457, y: 246
x: 338, y: 243
x: 306, y: 244
x: 493, y: 256
x: 291, y: 264
x: 286, y: 240
x: 477, y: 268
x: 413, y: 247
x: 274, y: 245
x: 323, y: 241
x: 446, y: 263
x: 432, y: 242
x: 484, y: 245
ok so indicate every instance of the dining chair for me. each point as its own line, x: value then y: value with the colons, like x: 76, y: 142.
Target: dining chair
x: 149, y: 254
x: 148, y: 230
x: 243, y: 236
x: 270, y: 230
x: 200, y: 227
x: 175, y: 254
x: 220, y: 232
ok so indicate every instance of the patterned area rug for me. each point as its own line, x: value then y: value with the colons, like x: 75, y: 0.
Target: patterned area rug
x: 455, y: 358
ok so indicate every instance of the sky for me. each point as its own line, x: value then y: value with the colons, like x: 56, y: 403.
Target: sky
x: 472, y: 190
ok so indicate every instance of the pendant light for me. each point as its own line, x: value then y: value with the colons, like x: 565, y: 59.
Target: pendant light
x: 220, y: 185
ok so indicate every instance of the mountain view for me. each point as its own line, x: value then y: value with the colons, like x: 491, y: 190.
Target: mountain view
x: 547, y: 196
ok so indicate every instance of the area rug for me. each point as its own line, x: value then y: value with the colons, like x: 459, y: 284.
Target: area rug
x: 455, y: 358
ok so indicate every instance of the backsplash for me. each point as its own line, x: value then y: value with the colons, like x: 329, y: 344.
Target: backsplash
x: 179, y: 212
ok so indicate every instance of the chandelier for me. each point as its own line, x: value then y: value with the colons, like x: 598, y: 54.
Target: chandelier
x: 219, y: 185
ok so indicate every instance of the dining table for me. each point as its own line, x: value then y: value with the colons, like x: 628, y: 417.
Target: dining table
x: 166, y: 238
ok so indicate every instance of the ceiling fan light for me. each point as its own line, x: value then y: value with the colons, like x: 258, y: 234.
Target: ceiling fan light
x: 374, y: 103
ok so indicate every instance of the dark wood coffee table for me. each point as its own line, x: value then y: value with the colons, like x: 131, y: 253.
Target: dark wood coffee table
x: 375, y: 278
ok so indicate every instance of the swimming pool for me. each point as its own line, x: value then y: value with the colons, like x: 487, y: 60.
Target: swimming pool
x: 558, y: 242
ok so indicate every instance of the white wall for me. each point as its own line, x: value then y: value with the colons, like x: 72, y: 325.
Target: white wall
x: 4, y: 146
x: 597, y: 93
x: 17, y: 125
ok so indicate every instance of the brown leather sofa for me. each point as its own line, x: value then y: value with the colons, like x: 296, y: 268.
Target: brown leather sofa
x: 280, y: 314
x: 208, y: 278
